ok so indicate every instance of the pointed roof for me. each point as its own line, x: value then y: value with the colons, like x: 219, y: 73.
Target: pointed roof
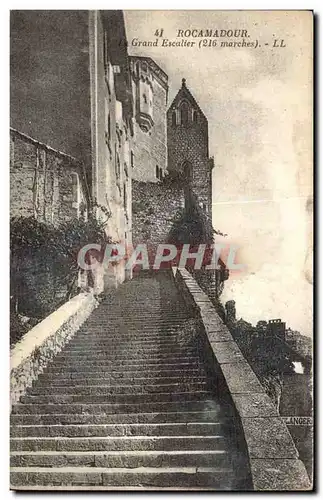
x: 184, y: 93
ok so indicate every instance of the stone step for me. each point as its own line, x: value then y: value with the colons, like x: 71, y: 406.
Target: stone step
x: 127, y: 354
x: 134, y: 344
x: 116, y: 398
x: 140, y: 308
x: 124, y: 366
x: 125, y: 404
x: 95, y: 430
x: 49, y: 382
x: 119, y: 418
x: 106, y: 408
x: 116, y: 443
x: 120, y: 375
x: 132, y: 322
x: 93, y: 487
x: 75, y: 344
x: 117, y: 348
x: 130, y: 333
x: 129, y: 459
x: 219, y: 478
x: 138, y: 315
x: 112, y: 341
x: 109, y: 325
x: 79, y: 364
x: 100, y: 388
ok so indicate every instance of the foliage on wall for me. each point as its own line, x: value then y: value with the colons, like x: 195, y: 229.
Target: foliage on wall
x: 43, y: 263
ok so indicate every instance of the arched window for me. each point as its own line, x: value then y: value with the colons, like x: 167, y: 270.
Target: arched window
x: 184, y: 114
x: 144, y: 67
x: 195, y: 116
x: 174, y: 119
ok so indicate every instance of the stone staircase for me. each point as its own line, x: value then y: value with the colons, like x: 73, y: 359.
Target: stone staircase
x: 128, y: 405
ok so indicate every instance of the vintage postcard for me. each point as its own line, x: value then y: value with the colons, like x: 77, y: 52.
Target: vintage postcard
x: 161, y: 318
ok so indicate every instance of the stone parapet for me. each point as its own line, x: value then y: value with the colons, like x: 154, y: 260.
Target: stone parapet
x: 39, y: 346
x: 273, y: 457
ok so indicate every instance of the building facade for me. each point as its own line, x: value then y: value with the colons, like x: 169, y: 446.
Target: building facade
x: 45, y: 183
x: 71, y: 72
x: 147, y: 168
x: 149, y: 90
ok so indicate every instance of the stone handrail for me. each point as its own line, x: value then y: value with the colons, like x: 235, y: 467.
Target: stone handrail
x: 38, y: 346
x: 273, y: 457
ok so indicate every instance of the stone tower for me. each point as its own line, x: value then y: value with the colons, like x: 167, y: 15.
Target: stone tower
x: 188, y: 146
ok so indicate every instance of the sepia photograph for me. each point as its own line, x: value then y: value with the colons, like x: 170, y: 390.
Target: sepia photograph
x: 161, y: 250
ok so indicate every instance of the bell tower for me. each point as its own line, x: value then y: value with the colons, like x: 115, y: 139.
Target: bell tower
x: 188, y: 146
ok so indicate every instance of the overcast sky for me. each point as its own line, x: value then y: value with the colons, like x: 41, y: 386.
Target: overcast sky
x: 258, y: 103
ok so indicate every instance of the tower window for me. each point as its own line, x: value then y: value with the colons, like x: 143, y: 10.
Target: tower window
x: 117, y: 168
x: 125, y: 201
x: 109, y: 127
x: 173, y: 119
x: 184, y: 114
x: 144, y: 98
x: 195, y: 116
x: 132, y: 156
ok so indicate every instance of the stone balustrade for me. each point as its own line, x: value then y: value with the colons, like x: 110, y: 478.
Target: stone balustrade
x: 273, y: 457
x: 30, y: 356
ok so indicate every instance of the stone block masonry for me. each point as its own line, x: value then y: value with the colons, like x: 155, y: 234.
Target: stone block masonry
x: 44, y: 183
x: 154, y: 210
x: 149, y: 88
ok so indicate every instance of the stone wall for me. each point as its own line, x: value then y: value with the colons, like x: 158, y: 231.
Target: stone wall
x: 111, y: 131
x: 154, y: 210
x: 44, y: 183
x: 274, y: 459
x: 50, y: 79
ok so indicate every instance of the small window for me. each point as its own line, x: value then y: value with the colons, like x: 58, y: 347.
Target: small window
x: 160, y: 174
x: 132, y: 159
x: 144, y: 98
x: 184, y: 114
x: 157, y: 171
x: 125, y: 196
x: 105, y: 50
x: 109, y: 127
x: 195, y: 116
x: 174, y: 119
x: 117, y: 168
